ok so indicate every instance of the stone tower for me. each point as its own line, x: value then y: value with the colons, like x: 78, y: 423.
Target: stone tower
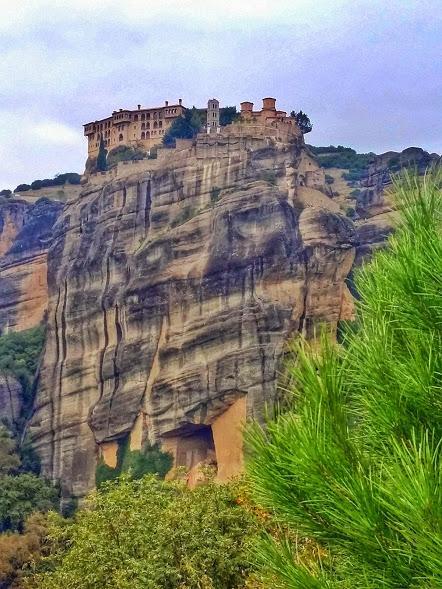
x: 213, y: 116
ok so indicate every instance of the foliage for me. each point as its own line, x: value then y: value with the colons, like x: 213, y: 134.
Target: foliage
x: 124, y: 153
x: 22, y: 188
x: 215, y: 192
x: 346, y: 158
x: 355, y: 463
x: 58, y: 180
x: 302, y: 120
x: 6, y: 193
x: 147, y: 534
x: 149, y: 460
x: 183, y: 127
x: 21, y: 493
x: 19, y: 552
x: 227, y: 115
x: 9, y: 460
x: 101, y: 157
x: 350, y: 212
x: 19, y: 355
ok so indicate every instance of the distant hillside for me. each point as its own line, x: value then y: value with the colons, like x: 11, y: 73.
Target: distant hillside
x: 62, y: 187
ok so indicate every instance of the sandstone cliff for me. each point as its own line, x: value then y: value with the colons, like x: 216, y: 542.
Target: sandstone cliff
x: 174, y: 285
x: 374, y: 204
x: 25, y: 233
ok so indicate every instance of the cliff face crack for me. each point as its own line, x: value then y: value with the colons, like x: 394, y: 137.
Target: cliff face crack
x: 116, y: 375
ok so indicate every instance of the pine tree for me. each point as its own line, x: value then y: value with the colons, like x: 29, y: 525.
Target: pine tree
x: 102, y: 157
x: 354, y: 464
x: 302, y: 120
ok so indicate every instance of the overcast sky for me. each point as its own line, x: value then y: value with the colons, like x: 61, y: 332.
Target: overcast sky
x: 368, y: 72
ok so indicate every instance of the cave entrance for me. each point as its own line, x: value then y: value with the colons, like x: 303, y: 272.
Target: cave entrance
x: 194, y: 445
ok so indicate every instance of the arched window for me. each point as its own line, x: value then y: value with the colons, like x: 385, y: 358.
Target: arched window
x: 136, y: 118
x: 148, y: 115
x: 120, y: 138
x: 155, y: 125
x: 147, y: 125
x: 161, y: 123
x: 143, y: 125
x: 143, y: 117
x: 143, y: 135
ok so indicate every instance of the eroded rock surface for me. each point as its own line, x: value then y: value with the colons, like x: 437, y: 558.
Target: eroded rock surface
x: 25, y: 234
x: 374, y: 204
x: 172, y: 293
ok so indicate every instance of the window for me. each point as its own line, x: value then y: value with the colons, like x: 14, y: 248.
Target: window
x: 160, y: 123
x: 143, y: 117
x: 147, y: 125
x: 155, y: 124
x: 143, y: 135
x: 136, y: 118
x: 143, y: 125
x: 120, y: 138
x: 148, y: 115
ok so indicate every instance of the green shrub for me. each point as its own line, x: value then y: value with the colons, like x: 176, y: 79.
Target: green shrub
x: 19, y: 355
x: 21, y: 493
x: 227, y: 115
x: 350, y: 212
x: 149, y: 534
x: 124, y: 153
x: 215, y: 192
x: 354, y: 463
x: 149, y: 460
x: 184, y: 127
x: 22, y: 188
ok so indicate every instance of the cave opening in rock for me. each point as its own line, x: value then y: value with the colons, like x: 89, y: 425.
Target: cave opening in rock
x: 194, y: 446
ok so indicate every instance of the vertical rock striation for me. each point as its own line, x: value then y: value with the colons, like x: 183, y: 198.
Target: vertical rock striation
x: 25, y: 233
x: 174, y: 285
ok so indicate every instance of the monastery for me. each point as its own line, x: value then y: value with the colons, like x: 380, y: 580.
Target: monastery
x: 145, y: 127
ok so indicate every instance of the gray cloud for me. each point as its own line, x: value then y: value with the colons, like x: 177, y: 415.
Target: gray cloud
x: 368, y: 73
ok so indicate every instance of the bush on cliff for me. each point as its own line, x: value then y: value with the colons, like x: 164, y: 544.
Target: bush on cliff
x: 184, y: 127
x: 149, y: 460
x: 21, y: 493
x: 148, y: 534
x: 19, y: 355
x: 124, y: 153
x: 355, y: 462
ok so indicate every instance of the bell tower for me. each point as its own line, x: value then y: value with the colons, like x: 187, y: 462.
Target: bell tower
x: 212, y: 124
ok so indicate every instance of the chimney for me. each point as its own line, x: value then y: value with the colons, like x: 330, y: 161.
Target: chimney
x: 269, y: 104
x: 166, y: 102
x: 246, y: 106
x: 121, y: 110
x: 180, y: 101
x: 139, y: 107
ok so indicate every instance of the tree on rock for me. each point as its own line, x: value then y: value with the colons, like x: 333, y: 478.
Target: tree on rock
x: 184, y: 127
x: 302, y: 120
x: 102, y: 157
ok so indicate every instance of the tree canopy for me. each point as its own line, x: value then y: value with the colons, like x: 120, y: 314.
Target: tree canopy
x: 302, y: 120
x: 184, y: 127
x: 147, y: 533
